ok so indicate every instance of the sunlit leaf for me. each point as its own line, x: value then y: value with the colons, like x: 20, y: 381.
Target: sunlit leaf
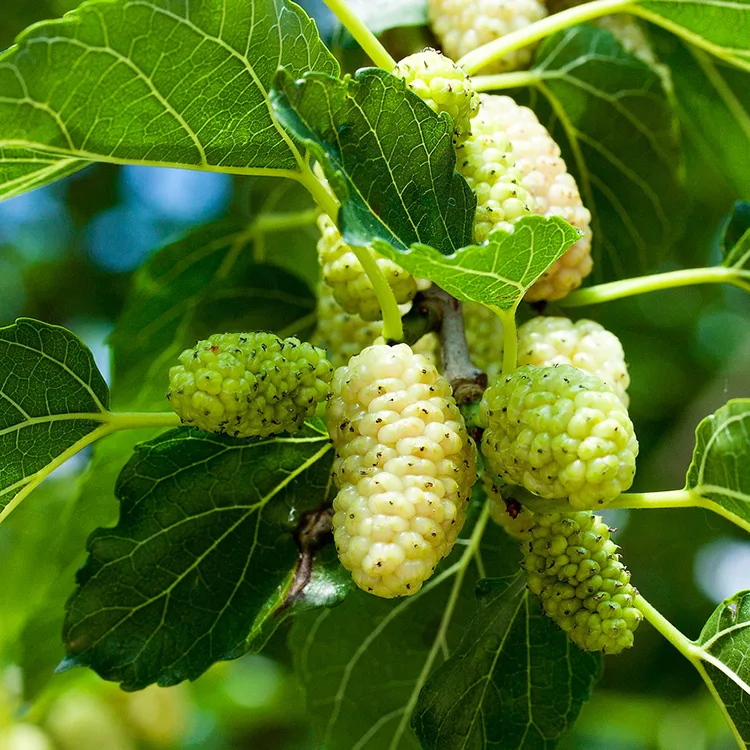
x: 725, y: 639
x: 389, y: 158
x: 515, y: 680
x: 151, y: 82
x: 497, y: 273
x: 204, y: 541
x: 720, y: 469
x: 53, y: 402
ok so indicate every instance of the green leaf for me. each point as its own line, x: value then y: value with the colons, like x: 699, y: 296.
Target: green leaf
x: 388, y: 157
x: 515, y: 680
x: 53, y: 402
x: 204, y: 541
x: 152, y: 82
x: 718, y: 26
x: 720, y: 469
x: 711, y: 97
x: 363, y: 683
x: 735, y: 243
x: 725, y: 640
x: 498, y: 273
x: 612, y: 117
x: 207, y: 282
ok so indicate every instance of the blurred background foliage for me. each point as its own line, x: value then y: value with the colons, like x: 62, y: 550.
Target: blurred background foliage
x: 67, y: 254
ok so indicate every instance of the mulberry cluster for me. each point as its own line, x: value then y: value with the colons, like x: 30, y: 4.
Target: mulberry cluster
x: 574, y: 568
x: 560, y: 433
x: 404, y: 466
x: 249, y: 384
x: 463, y: 25
x: 552, y: 188
x: 443, y: 85
x: 487, y: 163
x: 351, y: 286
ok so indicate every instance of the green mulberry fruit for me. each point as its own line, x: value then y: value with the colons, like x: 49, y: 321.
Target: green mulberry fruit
x: 249, y: 384
x: 513, y: 518
x: 560, y: 433
x: 463, y: 25
x: 553, y: 190
x: 487, y: 163
x: 443, y: 85
x: 351, y: 286
x: 574, y: 568
x: 404, y: 466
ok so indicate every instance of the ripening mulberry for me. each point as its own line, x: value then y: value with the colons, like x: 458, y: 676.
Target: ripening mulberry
x: 463, y: 25
x: 574, y: 568
x: 552, y: 188
x: 404, y: 467
x: 560, y: 433
x: 249, y: 384
x: 487, y: 163
x: 443, y: 85
x: 513, y: 518
x: 545, y: 341
x: 351, y: 286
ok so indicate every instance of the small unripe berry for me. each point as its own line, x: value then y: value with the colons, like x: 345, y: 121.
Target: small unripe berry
x: 404, y: 467
x: 463, y: 25
x: 560, y: 433
x: 552, y: 188
x: 351, y: 286
x: 444, y: 86
x: 575, y: 570
x: 249, y: 384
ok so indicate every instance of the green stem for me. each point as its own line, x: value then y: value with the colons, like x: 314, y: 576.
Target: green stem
x: 676, y: 499
x: 513, y: 80
x: 468, y: 554
x: 489, y: 53
x: 678, y: 639
x: 319, y: 192
x: 393, y: 329
x: 366, y: 39
x: 510, y: 342
x: 643, y: 284
x: 142, y: 420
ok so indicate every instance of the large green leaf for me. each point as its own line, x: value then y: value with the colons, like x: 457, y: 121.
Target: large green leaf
x: 53, y: 402
x: 721, y: 27
x: 720, y: 469
x: 611, y: 115
x: 363, y: 684
x: 388, y: 157
x: 207, y: 282
x: 497, y: 273
x: 725, y: 641
x: 152, y: 82
x: 515, y: 680
x: 203, y: 543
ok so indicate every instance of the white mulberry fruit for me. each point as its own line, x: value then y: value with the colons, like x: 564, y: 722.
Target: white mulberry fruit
x: 515, y: 519
x: 444, y: 87
x: 545, y: 341
x: 249, y: 384
x: 560, y: 433
x: 351, y: 286
x: 487, y: 163
x: 404, y: 466
x: 552, y: 188
x: 574, y: 568
x: 463, y: 25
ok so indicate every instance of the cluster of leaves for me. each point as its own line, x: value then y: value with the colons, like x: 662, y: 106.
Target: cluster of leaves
x: 218, y: 540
